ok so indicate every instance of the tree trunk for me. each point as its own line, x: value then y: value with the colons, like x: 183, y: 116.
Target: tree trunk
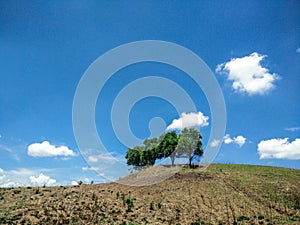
x: 172, y: 160
x: 153, y: 162
x: 190, y: 161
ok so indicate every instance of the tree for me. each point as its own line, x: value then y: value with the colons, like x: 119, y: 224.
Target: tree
x: 189, y: 144
x: 145, y: 155
x: 151, y: 143
x: 167, y: 146
x: 148, y: 157
x: 150, y: 153
x: 133, y: 156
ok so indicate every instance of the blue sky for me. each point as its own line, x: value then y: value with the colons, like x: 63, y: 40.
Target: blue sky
x: 252, y: 48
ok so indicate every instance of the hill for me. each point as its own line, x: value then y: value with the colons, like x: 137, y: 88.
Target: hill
x: 221, y: 194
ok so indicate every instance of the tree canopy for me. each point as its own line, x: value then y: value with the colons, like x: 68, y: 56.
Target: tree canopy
x: 189, y: 144
x: 186, y: 144
x: 167, y: 146
x: 133, y: 156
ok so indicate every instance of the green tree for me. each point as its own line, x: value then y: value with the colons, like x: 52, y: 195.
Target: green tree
x: 148, y: 157
x: 151, y: 143
x: 150, y: 153
x: 167, y: 146
x: 133, y: 156
x: 189, y: 144
x: 145, y: 155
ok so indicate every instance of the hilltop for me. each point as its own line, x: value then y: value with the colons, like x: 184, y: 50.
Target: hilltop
x: 221, y: 194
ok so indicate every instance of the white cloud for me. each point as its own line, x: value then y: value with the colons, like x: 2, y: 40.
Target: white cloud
x: 215, y: 143
x: 5, y: 148
x: 92, y: 159
x: 42, y: 180
x: 11, y: 151
x: 187, y: 120
x: 74, y: 183
x: 14, y: 178
x: 2, y: 176
x: 292, y: 129
x: 6, y: 183
x: 85, y: 168
x: 21, y: 172
x: 227, y: 139
x: 239, y: 140
x: 298, y: 50
x: 279, y: 148
x: 92, y: 168
x: 22, y: 177
x: 106, y: 157
x: 248, y: 75
x: 45, y: 149
x: 87, y: 180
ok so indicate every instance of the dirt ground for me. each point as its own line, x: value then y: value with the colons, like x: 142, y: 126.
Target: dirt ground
x: 222, y: 194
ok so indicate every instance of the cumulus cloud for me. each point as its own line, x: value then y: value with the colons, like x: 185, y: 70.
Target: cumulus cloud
x: 45, y: 149
x: 292, y: 129
x: 215, y: 143
x: 7, y: 183
x: 74, y: 183
x: 239, y: 140
x: 87, y: 180
x: 298, y: 50
x: 248, y: 75
x: 14, y: 178
x: 187, y: 120
x: 279, y: 148
x: 2, y: 177
x: 42, y: 180
x: 24, y: 177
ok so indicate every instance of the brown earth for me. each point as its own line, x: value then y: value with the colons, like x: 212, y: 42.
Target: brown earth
x: 221, y: 194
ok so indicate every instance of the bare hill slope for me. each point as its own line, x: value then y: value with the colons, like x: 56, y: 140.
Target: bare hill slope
x: 222, y: 194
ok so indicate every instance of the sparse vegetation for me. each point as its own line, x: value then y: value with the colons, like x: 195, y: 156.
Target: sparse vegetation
x: 222, y: 194
x: 159, y: 205
x: 152, y: 206
x: 129, y: 203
